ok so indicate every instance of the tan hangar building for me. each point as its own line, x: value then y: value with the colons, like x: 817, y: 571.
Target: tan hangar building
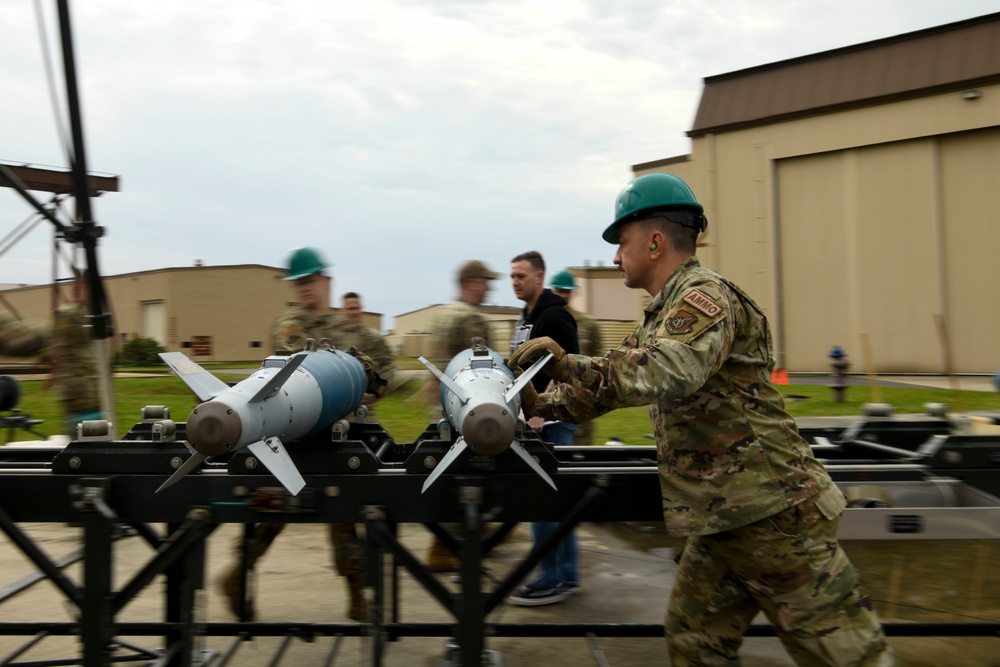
x: 854, y: 194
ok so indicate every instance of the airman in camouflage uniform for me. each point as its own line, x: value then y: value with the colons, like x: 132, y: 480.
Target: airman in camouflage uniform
x: 451, y: 332
x: 17, y: 339
x: 314, y: 319
x: 294, y: 328
x: 357, y: 334
x: 460, y: 321
x: 74, y: 366
x: 760, y: 513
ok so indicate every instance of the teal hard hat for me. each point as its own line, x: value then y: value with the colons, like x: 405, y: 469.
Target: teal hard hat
x: 564, y: 280
x: 304, y: 262
x: 659, y: 193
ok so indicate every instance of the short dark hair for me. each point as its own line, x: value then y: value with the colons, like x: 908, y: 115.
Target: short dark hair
x: 351, y: 295
x: 533, y: 257
x: 684, y: 239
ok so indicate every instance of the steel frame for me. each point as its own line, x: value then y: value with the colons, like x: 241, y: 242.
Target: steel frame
x: 594, y: 484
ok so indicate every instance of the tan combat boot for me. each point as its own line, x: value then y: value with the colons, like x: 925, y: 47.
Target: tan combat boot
x: 357, y: 606
x: 230, y: 585
x: 229, y: 581
x: 439, y: 559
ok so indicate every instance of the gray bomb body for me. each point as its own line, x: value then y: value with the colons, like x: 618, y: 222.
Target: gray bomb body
x: 481, y: 413
x: 481, y: 399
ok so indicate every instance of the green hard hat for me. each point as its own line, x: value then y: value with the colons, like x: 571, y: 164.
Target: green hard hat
x: 304, y: 262
x: 564, y: 280
x: 659, y: 192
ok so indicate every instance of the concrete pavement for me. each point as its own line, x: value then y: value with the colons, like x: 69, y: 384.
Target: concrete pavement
x: 627, y: 574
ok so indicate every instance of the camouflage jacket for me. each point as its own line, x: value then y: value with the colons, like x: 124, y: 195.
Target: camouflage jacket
x: 74, y: 365
x: 453, y: 331
x: 371, y: 343
x: 292, y: 329
x: 729, y: 454
x: 18, y: 339
x: 588, y: 332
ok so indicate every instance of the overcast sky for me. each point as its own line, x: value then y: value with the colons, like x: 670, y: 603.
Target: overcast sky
x: 400, y: 137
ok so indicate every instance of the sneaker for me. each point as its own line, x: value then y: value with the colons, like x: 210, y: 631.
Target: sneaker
x: 528, y: 596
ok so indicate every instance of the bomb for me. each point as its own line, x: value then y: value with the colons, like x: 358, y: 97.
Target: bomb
x: 481, y: 399
x: 286, y: 399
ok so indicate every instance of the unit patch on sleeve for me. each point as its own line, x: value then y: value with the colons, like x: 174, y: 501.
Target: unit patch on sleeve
x: 680, y: 323
x: 698, y: 299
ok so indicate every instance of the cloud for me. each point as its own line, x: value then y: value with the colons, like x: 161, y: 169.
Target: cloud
x: 400, y: 136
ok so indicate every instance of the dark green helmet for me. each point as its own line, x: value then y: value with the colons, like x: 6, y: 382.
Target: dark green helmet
x: 304, y: 262
x: 659, y: 193
x: 564, y: 280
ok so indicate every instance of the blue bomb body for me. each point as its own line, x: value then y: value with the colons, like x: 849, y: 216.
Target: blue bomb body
x: 288, y: 398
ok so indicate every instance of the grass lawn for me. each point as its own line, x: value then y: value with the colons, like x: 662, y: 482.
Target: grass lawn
x: 405, y: 412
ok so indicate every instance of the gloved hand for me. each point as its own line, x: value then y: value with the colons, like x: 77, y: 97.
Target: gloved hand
x: 528, y: 396
x: 557, y: 368
x: 376, y: 385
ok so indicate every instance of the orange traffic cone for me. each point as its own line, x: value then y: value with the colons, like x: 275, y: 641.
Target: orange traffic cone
x: 779, y: 376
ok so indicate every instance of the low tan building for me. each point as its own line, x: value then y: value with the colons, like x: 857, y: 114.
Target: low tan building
x: 210, y: 313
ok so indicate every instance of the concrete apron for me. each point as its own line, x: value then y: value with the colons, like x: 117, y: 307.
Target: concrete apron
x: 626, y: 570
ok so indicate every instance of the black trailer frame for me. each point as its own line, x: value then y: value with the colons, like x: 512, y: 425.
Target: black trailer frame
x: 107, y: 485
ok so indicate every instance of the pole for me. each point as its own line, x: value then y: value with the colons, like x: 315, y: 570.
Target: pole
x: 85, y: 231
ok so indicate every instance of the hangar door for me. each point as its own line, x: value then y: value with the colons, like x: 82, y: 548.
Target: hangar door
x: 857, y: 245
x: 154, y: 321
x: 890, y: 240
x: 970, y: 204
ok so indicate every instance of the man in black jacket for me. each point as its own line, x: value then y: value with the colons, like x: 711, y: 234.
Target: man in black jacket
x: 545, y: 314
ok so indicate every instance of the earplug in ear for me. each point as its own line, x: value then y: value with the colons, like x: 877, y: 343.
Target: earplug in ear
x: 653, y: 247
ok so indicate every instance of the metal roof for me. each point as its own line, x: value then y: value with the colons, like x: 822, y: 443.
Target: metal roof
x: 949, y: 57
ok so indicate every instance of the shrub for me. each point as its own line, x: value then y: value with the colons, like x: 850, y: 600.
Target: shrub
x: 140, y: 351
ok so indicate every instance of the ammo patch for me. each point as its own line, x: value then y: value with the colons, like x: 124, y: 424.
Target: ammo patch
x: 681, y: 323
x: 703, y: 302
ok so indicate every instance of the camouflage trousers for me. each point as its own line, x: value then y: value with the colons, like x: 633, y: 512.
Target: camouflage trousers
x: 583, y: 436
x: 789, y: 566
x: 347, y: 549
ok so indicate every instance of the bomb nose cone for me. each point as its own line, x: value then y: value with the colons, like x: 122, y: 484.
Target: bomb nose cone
x: 488, y: 429
x: 214, y: 429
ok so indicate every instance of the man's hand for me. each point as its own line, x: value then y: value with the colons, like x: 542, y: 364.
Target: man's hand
x: 536, y: 348
x: 528, y: 397
x: 376, y: 385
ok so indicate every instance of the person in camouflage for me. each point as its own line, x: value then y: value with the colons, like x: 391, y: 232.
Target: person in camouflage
x: 451, y: 332
x: 313, y: 319
x: 355, y: 333
x: 760, y: 513
x: 588, y: 332
x: 74, y: 367
x: 17, y: 339
x: 461, y: 320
